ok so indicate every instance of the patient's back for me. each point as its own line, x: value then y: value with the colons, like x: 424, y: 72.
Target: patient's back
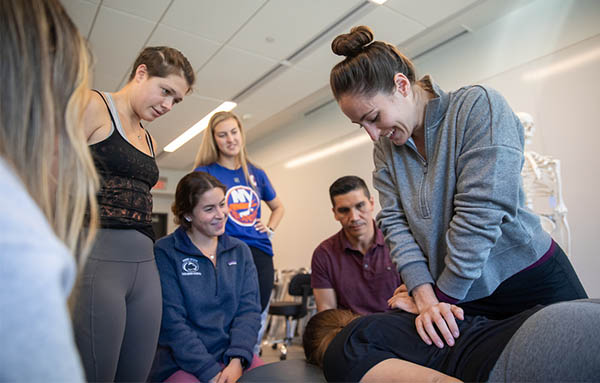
x: 371, y: 339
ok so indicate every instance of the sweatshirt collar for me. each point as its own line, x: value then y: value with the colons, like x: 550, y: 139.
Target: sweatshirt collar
x: 437, y: 106
x: 184, y: 244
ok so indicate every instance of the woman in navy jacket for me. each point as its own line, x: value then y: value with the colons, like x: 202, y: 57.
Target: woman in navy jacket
x: 211, y: 309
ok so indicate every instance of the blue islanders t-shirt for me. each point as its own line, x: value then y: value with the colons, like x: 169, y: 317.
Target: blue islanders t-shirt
x: 244, y: 202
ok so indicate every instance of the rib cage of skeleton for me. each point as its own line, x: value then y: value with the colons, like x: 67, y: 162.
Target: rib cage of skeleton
x: 543, y: 188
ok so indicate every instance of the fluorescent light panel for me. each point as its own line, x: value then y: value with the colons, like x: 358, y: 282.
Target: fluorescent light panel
x: 378, y: 2
x: 328, y: 151
x: 198, y: 127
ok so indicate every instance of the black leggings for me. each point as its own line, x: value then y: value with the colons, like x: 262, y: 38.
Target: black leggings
x: 553, y: 281
x: 266, y: 275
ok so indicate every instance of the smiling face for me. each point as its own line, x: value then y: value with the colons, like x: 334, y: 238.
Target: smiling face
x: 210, y: 214
x: 393, y: 115
x: 228, y: 138
x: 157, y: 95
x: 354, y: 211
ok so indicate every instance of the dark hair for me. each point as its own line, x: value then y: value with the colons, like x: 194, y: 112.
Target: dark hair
x: 189, y: 191
x: 320, y: 331
x: 163, y: 61
x: 369, y: 66
x: 347, y: 184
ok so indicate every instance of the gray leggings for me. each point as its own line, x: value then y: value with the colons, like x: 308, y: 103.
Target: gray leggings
x: 560, y: 343
x: 117, y: 307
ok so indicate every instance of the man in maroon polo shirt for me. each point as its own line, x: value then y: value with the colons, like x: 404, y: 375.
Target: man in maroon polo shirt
x: 352, y: 269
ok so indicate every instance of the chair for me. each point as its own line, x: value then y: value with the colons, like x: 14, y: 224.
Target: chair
x: 292, y: 310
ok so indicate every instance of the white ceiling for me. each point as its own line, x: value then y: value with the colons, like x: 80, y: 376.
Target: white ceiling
x: 233, y: 43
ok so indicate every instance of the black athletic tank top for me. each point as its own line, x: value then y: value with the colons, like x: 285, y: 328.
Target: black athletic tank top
x: 126, y: 177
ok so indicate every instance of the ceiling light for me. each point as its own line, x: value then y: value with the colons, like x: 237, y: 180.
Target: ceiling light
x: 378, y: 2
x: 328, y: 151
x: 198, y: 127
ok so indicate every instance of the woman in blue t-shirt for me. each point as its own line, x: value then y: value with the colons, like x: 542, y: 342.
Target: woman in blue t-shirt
x: 222, y: 154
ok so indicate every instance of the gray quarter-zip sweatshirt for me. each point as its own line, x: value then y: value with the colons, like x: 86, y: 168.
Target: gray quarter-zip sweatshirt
x: 457, y: 219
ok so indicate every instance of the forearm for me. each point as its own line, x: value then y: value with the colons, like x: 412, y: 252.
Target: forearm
x: 246, y: 323
x: 191, y: 354
x: 404, y: 249
x: 325, y: 299
x: 481, y: 206
x: 398, y: 370
x: 424, y: 296
x: 276, y: 216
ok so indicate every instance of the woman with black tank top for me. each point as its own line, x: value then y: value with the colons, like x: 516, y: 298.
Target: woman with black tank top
x: 117, y: 304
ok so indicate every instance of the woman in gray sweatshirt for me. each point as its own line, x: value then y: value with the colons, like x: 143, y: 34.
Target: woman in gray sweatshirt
x: 447, y: 168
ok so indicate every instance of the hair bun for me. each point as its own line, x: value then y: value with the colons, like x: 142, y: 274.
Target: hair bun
x: 351, y: 44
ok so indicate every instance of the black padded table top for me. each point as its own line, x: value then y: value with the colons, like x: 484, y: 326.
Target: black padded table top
x: 294, y: 370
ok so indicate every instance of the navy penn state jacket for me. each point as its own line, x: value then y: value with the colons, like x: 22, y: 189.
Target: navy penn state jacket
x: 210, y: 314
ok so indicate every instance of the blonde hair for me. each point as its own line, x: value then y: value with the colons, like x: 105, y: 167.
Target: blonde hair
x: 45, y: 73
x: 208, y: 153
x: 320, y: 331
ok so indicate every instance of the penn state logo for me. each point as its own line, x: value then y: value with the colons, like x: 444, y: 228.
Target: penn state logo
x: 190, y: 266
x: 243, y: 204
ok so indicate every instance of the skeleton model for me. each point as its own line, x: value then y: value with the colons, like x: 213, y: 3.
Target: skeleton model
x: 543, y: 189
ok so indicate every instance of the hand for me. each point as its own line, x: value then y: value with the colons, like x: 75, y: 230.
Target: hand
x: 232, y: 372
x: 261, y: 226
x: 431, y: 312
x: 443, y: 315
x: 215, y: 378
x: 403, y: 301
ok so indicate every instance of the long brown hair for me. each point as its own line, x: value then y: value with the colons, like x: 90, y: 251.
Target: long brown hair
x: 44, y: 69
x: 369, y: 66
x: 320, y: 331
x: 208, y: 153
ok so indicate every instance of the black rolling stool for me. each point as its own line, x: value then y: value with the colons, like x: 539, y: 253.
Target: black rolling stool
x: 290, y: 371
x: 292, y: 310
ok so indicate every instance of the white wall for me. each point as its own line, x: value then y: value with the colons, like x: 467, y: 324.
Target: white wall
x: 542, y: 33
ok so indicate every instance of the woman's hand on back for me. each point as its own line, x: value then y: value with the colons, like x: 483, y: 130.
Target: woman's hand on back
x: 432, y: 314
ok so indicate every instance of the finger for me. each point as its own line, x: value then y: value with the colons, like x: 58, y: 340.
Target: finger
x: 458, y: 312
x: 430, y: 329
x: 442, y: 326
x: 391, y: 301
x: 451, y: 322
x: 421, y: 331
x: 396, y: 303
x: 400, y: 289
x: 404, y: 294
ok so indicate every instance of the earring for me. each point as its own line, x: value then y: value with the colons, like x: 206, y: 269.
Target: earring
x: 188, y: 219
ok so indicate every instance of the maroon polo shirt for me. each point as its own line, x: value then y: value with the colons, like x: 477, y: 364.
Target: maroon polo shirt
x: 362, y: 284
